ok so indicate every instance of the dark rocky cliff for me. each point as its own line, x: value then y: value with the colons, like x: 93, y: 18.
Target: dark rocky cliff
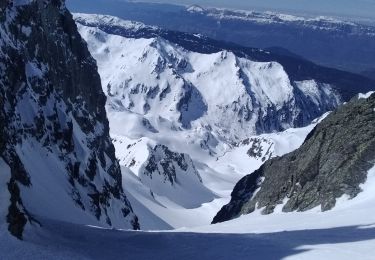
x: 51, y: 100
x: 333, y: 161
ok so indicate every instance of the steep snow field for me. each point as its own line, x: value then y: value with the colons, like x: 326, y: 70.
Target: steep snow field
x: 346, y: 232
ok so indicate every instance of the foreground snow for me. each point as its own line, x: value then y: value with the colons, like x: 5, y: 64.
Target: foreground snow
x: 346, y: 232
x: 71, y: 242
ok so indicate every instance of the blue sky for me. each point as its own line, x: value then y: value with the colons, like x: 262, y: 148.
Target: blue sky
x: 354, y: 8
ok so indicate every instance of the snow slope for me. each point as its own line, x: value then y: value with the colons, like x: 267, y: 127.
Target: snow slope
x: 343, y: 233
x: 62, y: 241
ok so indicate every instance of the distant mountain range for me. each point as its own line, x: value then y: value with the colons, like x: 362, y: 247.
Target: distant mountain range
x: 323, y: 40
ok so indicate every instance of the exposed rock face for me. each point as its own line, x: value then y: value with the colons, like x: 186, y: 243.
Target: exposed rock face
x: 54, y: 133
x: 166, y: 163
x: 173, y: 175
x: 333, y: 161
x: 258, y: 146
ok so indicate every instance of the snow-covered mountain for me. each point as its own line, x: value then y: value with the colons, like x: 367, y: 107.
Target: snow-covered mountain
x: 230, y: 96
x: 56, y: 157
x: 186, y: 113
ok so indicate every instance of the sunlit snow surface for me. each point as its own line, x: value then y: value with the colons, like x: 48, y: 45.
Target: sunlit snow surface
x: 346, y: 232
x: 366, y: 95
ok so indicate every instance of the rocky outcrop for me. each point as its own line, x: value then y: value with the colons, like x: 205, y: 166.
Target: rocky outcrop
x: 54, y: 133
x: 163, y: 162
x: 333, y: 161
x: 172, y: 175
x: 260, y: 149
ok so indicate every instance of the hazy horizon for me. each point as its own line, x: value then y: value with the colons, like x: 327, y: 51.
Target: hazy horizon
x: 348, y: 8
